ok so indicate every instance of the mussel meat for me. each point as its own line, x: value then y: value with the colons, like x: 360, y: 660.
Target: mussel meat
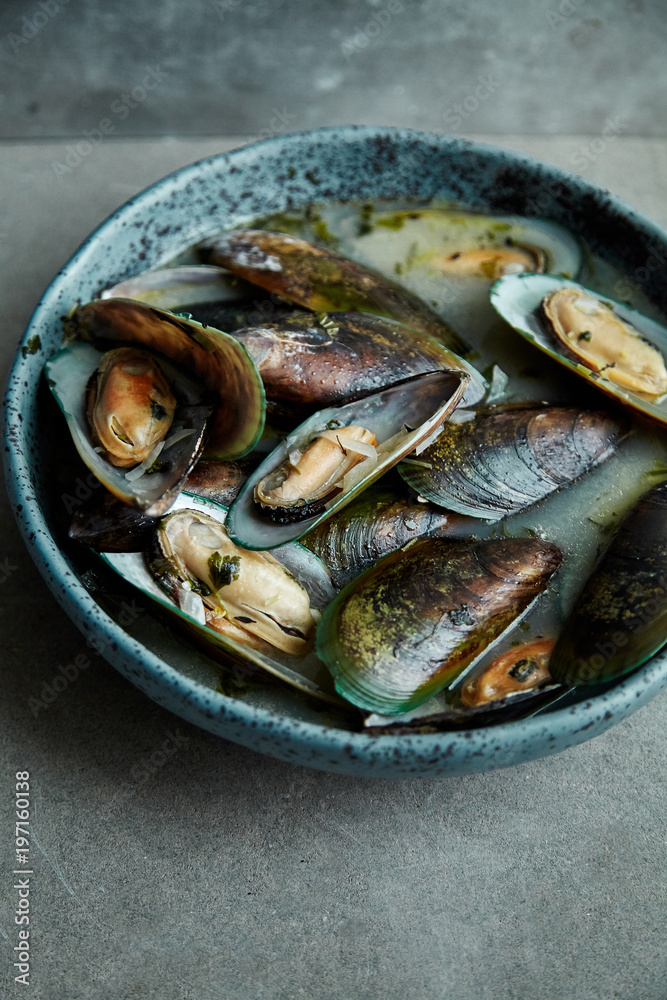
x: 590, y: 329
x: 522, y: 668
x: 407, y: 627
x: 246, y: 595
x: 619, y: 619
x: 506, y: 459
x: 130, y: 406
x: 300, y: 487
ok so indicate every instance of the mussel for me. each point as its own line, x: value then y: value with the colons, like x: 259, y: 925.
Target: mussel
x: 619, y: 619
x: 151, y: 485
x: 258, y: 609
x: 522, y: 668
x: 407, y: 627
x: 595, y: 335
x: 308, y: 362
x: 129, y: 406
x: 119, y: 404
x: 470, y: 245
x: 506, y: 459
x: 322, y: 465
x: 618, y: 350
x: 380, y: 521
x: 322, y: 280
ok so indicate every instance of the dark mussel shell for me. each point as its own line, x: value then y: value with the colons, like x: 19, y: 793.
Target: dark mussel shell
x: 375, y: 524
x: 411, y: 624
x: 506, y: 459
x: 620, y: 618
x: 321, y: 279
x: 308, y: 362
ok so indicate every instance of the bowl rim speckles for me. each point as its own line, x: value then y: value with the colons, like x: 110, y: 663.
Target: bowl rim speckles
x: 352, y: 162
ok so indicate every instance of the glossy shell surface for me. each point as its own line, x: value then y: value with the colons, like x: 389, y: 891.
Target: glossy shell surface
x: 350, y: 163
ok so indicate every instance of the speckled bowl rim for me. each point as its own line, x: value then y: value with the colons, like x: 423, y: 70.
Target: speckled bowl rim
x: 310, y: 744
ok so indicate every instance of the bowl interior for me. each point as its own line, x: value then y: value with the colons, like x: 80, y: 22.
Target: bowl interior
x: 276, y: 175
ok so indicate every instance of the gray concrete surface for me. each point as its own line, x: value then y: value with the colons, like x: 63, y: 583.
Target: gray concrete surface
x: 172, y: 865
x: 238, y: 66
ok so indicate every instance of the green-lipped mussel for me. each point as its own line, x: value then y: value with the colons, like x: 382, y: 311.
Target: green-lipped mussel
x: 322, y: 280
x: 379, y: 521
x: 617, y: 349
x: 151, y: 407
x: 308, y: 362
x: 619, y: 619
x: 410, y: 625
x: 503, y: 460
x: 255, y: 608
x: 399, y: 419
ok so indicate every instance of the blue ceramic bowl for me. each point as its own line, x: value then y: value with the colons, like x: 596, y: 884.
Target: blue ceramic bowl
x: 281, y: 173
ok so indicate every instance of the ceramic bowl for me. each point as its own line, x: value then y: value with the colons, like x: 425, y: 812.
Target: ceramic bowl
x: 284, y: 172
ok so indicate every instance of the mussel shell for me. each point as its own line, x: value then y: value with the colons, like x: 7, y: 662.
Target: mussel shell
x: 68, y: 373
x: 421, y: 403
x: 407, y: 627
x: 321, y: 279
x: 518, y: 299
x: 376, y: 523
x: 506, y: 459
x: 108, y: 524
x: 220, y: 363
x: 306, y: 673
x: 309, y: 362
x: 619, y: 619
x: 177, y: 287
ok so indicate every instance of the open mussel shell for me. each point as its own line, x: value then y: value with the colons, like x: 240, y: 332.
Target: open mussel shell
x: 400, y: 418
x: 217, y: 361
x: 410, y: 625
x: 619, y: 619
x: 521, y: 300
x: 308, y: 362
x: 152, y: 490
x: 178, y: 287
x: 303, y: 671
x: 322, y: 280
x: 505, y: 459
x: 469, y: 245
x: 378, y: 522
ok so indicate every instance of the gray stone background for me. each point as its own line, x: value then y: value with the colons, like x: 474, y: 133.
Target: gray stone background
x: 245, y: 67
x: 210, y: 872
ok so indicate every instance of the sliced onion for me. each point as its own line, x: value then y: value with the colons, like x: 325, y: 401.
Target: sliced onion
x: 139, y: 470
x: 192, y: 604
x: 177, y: 436
x: 359, y: 472
x: 349, y: 444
